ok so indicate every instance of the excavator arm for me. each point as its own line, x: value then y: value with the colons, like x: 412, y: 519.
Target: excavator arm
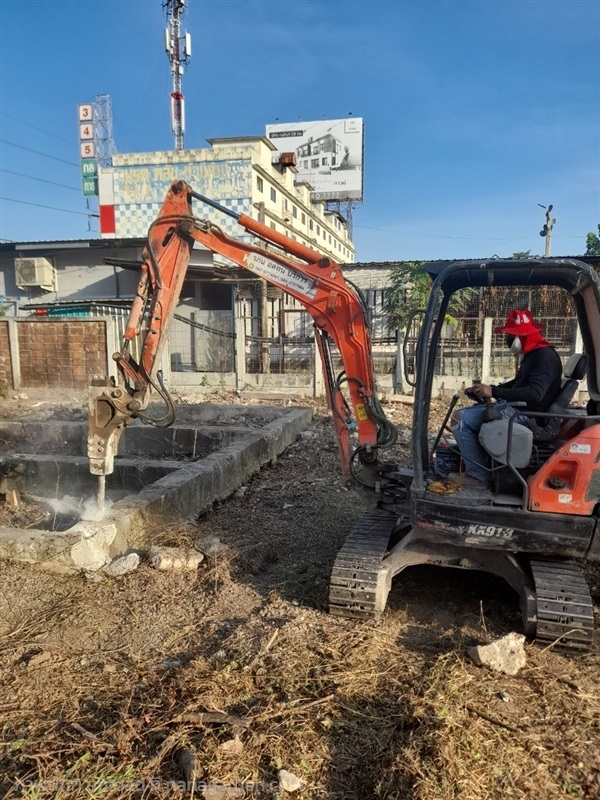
x: 317, y: 282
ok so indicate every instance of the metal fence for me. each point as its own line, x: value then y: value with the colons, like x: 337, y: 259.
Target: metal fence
x: 205, y: 341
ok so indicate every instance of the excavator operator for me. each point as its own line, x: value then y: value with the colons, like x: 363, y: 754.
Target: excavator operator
x: 537, y: 383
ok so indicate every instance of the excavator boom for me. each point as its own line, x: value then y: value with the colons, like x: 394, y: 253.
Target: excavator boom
x: 339, y: 314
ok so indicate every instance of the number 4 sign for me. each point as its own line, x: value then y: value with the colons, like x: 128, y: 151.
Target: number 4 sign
x: 86, y: 131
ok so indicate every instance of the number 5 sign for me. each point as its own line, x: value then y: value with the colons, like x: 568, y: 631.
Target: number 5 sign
x: 87, y: 149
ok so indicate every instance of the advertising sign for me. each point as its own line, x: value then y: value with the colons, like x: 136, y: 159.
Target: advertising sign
x: 90, y: 186
x: 89, y: 168
x: 85, y: 112
x: 87, y: 149
x: 329, y: 155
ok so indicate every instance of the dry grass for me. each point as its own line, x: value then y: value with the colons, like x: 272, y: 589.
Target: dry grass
x: 106, y: 685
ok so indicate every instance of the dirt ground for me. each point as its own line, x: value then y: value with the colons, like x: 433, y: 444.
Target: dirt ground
x: 109, y: 687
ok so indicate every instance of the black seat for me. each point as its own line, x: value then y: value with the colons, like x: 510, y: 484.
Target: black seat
x: 575, y: 369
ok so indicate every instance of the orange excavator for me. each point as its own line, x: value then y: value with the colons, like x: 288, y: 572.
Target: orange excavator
x: 536, y: 526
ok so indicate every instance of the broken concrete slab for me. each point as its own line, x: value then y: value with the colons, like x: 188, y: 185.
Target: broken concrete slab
x: 176, y: 473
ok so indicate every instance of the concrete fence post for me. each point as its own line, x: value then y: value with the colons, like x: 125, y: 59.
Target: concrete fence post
x: 318, y: 377
x: 15, y: 354
x: 486, y: 365
x: 239, y: 325
x: 399, y: 373
x: 112, y: 345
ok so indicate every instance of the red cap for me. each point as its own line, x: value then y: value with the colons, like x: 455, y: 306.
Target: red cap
x: 519, y: 322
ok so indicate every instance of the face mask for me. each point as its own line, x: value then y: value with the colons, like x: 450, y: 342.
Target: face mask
x: 516, y: 346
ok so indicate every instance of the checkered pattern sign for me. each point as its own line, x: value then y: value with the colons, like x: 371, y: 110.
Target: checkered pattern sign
x: 139, y: 191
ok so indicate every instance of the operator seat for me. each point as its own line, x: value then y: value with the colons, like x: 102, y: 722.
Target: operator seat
x: 575, y: 369
x: 544, y: 440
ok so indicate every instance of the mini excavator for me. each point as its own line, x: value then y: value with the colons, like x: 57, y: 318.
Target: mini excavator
x: 535, y: 528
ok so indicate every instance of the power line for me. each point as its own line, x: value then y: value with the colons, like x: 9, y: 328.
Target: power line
x: 37, y: 152
x: 35, y: 128
x: 465, y: 238
x: 52, y: 208
x: 41, y: 180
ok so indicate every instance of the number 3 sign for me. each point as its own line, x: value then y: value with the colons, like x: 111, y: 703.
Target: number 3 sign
x: 85, y: 112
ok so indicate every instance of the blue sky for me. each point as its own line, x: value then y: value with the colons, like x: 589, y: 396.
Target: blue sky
x: 474, y: 111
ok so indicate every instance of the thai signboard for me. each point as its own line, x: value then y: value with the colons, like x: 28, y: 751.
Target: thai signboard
x: 329, y: 155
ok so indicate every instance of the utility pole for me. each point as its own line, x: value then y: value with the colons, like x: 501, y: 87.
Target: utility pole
x: 547, y: 229
x: 179, y: 50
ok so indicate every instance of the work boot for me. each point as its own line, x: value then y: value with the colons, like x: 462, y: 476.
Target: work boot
x: 466, y: 480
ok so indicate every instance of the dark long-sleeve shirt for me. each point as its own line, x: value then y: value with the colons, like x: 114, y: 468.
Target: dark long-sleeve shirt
x: 537, y: 382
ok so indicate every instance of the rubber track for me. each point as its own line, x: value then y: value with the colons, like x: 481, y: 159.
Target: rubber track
x: 565, y: 613
x: 354, y: 577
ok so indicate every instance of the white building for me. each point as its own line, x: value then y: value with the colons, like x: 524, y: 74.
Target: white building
x: 239, y: 174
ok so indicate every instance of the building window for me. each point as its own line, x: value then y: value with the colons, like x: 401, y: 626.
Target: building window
x: 273, y: 226
x: 318, y: 230
x: 303, y: 219
x: 329, y: 238
x: 273, y: 195
x: 314, y: 163
x: 294, y: 212
x: 310, y: 224
x: 285, y: 204
x: 259, y: 183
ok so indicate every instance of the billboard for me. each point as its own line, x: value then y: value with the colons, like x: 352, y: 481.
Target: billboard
x: 329, y: 155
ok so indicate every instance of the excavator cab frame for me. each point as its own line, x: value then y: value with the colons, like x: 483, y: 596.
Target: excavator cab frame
x: 535, y: 546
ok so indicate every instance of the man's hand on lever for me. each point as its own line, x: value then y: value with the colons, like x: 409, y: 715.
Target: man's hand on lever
x: 481, y: 391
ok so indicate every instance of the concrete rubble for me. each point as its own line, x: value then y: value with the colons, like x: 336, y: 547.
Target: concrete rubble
x: 506, y: 654
x: 179, y: 559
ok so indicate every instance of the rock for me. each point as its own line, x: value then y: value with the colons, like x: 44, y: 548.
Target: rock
x: 241, y: 491
x: 214, y: 549
x: 289, y: 782
x: 38, y: 659
x: 287, y: 505
x: 205, y: 543
x: 122, y: 565
x: 90, y: 553
x: 506, y: 654
x: 308, y: 435
x: 232, y: 746
x: 222, y: 792
x: 174, y: 558
x: 405, y: 436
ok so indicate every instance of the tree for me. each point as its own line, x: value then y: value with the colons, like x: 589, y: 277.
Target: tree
x: 522, y: 254
x: 593, y: 244
x: 410, y: 289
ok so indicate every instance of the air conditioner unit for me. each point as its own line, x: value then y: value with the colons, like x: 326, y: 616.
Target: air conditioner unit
x: 35, y: 272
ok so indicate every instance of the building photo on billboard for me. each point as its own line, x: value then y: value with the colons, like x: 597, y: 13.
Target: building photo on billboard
x: 328, y: 155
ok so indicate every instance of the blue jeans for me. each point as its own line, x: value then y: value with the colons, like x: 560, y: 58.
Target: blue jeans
x: 466, y: 433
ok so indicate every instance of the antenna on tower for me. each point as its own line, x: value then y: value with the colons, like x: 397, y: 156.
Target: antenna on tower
x: 179, y: 51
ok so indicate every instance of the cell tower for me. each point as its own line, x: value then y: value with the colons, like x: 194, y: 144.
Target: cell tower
x: 179, y: 50
x: 103, y: 130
